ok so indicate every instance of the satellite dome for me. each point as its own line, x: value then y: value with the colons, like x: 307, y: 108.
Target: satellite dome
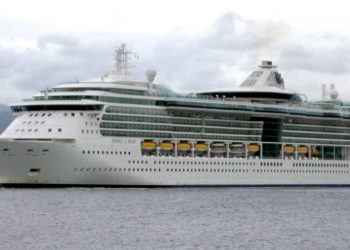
x: 333, y: 92
x: 151, y: 74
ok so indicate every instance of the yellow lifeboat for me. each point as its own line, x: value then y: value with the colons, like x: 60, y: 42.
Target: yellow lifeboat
x: 148, y: 145
x: 183, y: 146
x: 200, y: 147
x: 166, y: 145
x: 289, y: 149
x: 303, y: 149
x: 253, y: 147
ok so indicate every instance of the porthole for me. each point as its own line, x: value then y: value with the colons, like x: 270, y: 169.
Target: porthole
x: 49, y: 114
x: 43, y: 114
x: 59, y: 130
x: 72, y: 114
x: 65, y: 114
x: 30, y: 115
x: 30, y: 130
x: 49, y: 130
x: 42, y: 122
x: 36, y: 115
x: 36, y: 122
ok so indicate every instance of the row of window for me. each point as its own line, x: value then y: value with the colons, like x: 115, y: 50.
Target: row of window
x: 28, y: 150
x: 105, y: 152
x: 318, y: 171
x: 141, y: 111
x: 30, y: 122
x: 316, y: 129
x: 271, y: 164
x: 37, y: 114
x: 118, y: 169
x: 181, y: 120
x: 300, y: 140
x: 159, y: 119
x: 126, y: 100
x: 91, y: 123
x: 221, y: 120
x: 149, y: 127
x: 316, y: 135
x: 167, y: 135
x: 36, y: 130
x: 226, y: 163
x: 89, y: 131
x: 322, y: 164
x: 206, y: 170
x: 50, y: 114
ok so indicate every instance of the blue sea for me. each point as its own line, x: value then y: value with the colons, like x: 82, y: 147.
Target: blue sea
x: 207, y: 218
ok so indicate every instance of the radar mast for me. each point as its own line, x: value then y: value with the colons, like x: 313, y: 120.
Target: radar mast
x: 122, y: 60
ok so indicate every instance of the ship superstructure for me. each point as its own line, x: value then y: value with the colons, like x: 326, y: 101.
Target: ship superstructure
x: 123, y: 132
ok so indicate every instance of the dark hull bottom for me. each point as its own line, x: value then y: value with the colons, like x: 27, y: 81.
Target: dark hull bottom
x: 26, y: 185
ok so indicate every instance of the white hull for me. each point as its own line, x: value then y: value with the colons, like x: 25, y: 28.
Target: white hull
x: 70, y: 164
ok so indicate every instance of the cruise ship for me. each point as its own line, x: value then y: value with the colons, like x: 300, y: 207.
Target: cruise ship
x: 118, y: 131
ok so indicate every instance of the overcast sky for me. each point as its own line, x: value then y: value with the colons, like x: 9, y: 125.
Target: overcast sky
x: 193, y: 45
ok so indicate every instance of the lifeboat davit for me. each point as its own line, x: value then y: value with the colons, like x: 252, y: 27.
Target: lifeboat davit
x: 148, y: 145
x: 218, y: 147
x: 253, y: 147
x: 236, y: 147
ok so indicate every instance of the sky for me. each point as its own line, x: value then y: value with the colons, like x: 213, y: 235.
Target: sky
x: 193, y: 45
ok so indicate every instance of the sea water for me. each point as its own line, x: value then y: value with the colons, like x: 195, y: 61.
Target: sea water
x: 196, y: 218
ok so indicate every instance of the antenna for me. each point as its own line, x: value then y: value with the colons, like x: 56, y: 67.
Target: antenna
x: 122, y: 59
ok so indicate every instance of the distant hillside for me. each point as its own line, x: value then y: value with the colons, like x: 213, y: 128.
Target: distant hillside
x: 5, y: 117
x: 4, y: 108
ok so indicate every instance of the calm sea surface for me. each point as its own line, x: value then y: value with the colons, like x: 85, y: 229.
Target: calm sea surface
x: 209, y: 218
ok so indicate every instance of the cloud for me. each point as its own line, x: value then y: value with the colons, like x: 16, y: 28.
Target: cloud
x: 220, y: 56
x: 57, y: 39
x: 334, y: 60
